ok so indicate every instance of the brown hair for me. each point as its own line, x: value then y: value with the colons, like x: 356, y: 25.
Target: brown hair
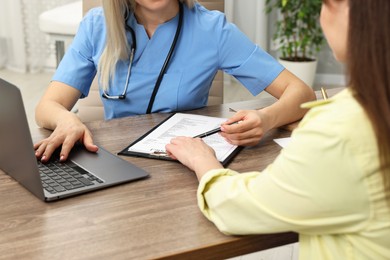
x: 368, y: 62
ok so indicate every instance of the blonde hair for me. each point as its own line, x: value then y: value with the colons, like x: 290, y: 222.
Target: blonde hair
x: 117, y: 47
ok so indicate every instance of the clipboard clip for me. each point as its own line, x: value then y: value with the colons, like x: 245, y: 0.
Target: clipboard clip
x: 158, y: 152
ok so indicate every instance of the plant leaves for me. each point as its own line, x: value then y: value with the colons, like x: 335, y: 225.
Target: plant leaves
x: 298, y: 32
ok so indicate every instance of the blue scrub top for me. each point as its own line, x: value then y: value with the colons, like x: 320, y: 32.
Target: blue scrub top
x: 207, y: 43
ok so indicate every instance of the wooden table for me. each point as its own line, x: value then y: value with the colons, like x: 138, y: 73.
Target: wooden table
x: 157, y: 217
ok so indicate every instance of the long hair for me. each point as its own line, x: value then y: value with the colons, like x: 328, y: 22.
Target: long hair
x: 368, y: 62
x: 117, y: 47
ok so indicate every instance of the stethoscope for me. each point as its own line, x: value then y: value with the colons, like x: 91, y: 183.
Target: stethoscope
x: 163, y: 68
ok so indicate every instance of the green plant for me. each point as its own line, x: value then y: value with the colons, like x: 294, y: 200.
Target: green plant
x: 298, y: 34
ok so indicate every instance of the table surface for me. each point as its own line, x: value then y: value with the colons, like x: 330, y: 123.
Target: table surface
x: 157, y: 217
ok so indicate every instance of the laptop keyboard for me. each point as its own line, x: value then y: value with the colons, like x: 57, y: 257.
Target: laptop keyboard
x: 58, y: 177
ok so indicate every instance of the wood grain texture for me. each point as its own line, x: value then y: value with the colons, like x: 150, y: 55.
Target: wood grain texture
x: 157, y: 217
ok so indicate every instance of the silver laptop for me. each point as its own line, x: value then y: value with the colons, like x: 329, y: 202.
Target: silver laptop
x: 83, y: 172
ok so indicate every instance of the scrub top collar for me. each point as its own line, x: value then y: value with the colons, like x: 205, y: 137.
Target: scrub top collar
x: 142, y: 39
x: 137, y: 27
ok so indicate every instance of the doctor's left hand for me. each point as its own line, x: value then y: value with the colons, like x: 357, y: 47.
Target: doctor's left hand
x: 251, y: 127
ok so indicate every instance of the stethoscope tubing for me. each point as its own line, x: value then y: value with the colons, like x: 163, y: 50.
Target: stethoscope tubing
x: 166, y: 62
x: 163, y: 68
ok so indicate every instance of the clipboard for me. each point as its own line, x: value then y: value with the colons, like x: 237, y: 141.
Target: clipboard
x: 152, y: 143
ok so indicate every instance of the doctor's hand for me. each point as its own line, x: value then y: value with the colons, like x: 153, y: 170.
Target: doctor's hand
x: 193, y: 153
x: 251, y: 127
x: 67, y: 133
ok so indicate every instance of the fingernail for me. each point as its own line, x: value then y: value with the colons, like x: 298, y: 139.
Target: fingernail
x: 43, y: 158
x: 62, y: 158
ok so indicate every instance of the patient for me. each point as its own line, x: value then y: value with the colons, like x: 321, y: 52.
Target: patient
x: 331, y: 183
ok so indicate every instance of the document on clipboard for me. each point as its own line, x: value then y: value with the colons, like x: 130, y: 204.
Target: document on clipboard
x: 152, y: 144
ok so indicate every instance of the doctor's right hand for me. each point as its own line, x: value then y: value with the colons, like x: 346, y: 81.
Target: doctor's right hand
x: 67, y: 133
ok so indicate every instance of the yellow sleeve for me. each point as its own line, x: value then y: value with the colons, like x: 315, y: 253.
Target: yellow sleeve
x: 314, y: 186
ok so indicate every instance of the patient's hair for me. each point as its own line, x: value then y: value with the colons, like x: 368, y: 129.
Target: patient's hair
x: 368, y: 62
x: 117, y: 47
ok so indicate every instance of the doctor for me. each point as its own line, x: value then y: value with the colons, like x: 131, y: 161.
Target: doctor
x: 161, y: 56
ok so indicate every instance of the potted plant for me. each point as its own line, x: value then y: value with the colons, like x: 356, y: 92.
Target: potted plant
x: 298, y: 36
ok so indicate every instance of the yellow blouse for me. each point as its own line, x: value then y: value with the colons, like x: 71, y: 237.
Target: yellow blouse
x: 326, y: 185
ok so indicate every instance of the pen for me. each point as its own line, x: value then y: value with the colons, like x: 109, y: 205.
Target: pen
x: 214, y: 131
x: 324, y: 94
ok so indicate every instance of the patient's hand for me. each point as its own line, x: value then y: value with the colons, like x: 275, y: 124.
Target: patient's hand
x: 193, y: 153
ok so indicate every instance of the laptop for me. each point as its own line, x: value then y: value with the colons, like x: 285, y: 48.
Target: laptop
x: 83, y: 172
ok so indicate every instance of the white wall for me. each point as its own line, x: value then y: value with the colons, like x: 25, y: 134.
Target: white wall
x: 23, y: 47
x: 12, y: 44
x: 250, y: 17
